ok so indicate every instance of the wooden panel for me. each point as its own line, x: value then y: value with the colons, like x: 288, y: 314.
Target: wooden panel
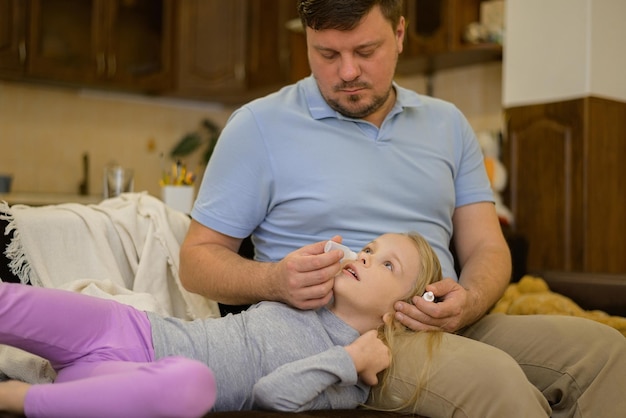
x: 606, y: 192
x: 542, y: 198
x: 64, y: 41
x: 427, y: 26
x: 139, y: 44
x: 268, y: 41
x: 232, y: 51
x: 105, y: 43
x: 568, y: 183
x: 12, y: 37
x: 212, y: 46
x: 298, y: 57
x: 544, y: 155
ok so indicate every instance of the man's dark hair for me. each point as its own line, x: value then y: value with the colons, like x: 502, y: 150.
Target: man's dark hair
x: 345, y: 14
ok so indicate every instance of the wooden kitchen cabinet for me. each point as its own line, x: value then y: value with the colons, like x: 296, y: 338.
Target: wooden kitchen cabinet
x: 229, y: 51
x: 434, y: 39
x: 218, y: 50
x: 435, y: 36
x: 567, y: 187
x: 12, y: 37
x: 234, y: 50
x: 122, y: 44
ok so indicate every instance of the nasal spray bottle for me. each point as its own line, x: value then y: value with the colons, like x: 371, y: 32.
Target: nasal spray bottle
x: 348, y: 254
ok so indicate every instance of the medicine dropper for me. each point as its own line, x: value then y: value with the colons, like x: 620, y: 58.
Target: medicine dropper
x: 348, y: 254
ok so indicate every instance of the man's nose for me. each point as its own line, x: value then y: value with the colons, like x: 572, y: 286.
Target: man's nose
x: 349, y: 69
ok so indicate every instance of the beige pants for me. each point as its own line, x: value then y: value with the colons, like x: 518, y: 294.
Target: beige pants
x: 516, y: 366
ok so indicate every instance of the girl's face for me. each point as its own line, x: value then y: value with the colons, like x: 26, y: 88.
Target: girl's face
x: 386, y: 271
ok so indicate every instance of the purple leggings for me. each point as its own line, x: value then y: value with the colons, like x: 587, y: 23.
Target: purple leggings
x: 102, y: 351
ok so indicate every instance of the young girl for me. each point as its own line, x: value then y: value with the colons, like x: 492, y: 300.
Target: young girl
x: 114, y: 360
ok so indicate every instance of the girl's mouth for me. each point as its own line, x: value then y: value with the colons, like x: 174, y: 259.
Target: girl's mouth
x: 349, y: 270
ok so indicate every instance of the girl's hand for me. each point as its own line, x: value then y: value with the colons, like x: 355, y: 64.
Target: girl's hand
x: 370, y: 356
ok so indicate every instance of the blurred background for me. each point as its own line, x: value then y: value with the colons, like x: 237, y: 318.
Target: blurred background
x: 88, y: 83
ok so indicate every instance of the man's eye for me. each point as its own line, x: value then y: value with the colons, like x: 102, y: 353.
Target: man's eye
x: 389, y: 265
x: 366, y: 54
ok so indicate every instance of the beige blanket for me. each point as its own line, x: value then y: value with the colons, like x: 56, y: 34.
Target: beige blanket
x: 125, y: 248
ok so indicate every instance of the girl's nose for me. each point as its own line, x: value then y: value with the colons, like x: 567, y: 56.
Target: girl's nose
x: 364, y: 258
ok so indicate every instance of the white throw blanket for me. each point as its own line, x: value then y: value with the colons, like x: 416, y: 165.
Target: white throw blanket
x: 125, y: 248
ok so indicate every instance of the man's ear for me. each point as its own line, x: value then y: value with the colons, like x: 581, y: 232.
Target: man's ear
x: 400, y: 34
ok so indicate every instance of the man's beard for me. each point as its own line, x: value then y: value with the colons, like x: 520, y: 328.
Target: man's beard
x: 358, y: 112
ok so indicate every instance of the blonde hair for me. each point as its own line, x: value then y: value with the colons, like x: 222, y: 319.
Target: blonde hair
x: 397, y: 336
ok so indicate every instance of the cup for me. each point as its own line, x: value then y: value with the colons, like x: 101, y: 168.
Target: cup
x: 178, y: 197
x: 117, y: 180
x: 5, y: 183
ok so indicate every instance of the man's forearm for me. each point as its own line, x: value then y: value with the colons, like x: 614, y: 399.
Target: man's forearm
x: 485, y: 276
x: 220, y: 274
x: 484, y: 257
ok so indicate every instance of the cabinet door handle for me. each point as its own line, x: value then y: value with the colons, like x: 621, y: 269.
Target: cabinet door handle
x: 22, y: 51
x: 112, y: 66
x: 100, y: 64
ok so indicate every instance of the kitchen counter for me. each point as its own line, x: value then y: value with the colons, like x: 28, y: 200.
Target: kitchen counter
x: 43, y: 199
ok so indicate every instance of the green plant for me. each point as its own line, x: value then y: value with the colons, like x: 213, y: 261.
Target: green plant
x: 206, y: 135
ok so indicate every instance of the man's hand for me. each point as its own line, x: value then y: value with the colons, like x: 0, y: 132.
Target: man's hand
x: 370, y: 356
x: 304, y: 278
x: 454, y: 309
x: 210, y: 266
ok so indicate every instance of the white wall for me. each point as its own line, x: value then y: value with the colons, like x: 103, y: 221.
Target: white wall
x: 45, y: 130
x: 608, y: 49
x: 562, y: 49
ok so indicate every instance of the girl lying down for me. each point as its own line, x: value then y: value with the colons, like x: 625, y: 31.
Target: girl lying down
x: 114, y: 360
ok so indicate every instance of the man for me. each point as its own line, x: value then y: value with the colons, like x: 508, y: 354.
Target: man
x: 348, y: 152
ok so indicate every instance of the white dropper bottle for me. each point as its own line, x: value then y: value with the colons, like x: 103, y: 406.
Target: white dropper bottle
x: 429, y: 296
x: 348, y: 254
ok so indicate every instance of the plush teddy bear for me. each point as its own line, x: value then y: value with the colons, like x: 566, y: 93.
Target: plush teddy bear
x: 532, y: 296
x: 490, y: 145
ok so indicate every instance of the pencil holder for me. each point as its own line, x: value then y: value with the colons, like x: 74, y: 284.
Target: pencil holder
x: 178, y: 197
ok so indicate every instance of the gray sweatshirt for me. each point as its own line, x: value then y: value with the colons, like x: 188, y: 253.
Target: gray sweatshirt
x: 271, y: 356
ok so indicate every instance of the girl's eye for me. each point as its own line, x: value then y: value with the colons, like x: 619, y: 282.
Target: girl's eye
x: 388, y: 265
x: 366, y: 250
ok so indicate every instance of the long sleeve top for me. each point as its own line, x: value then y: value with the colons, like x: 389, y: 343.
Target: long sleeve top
x: 271, y: 356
